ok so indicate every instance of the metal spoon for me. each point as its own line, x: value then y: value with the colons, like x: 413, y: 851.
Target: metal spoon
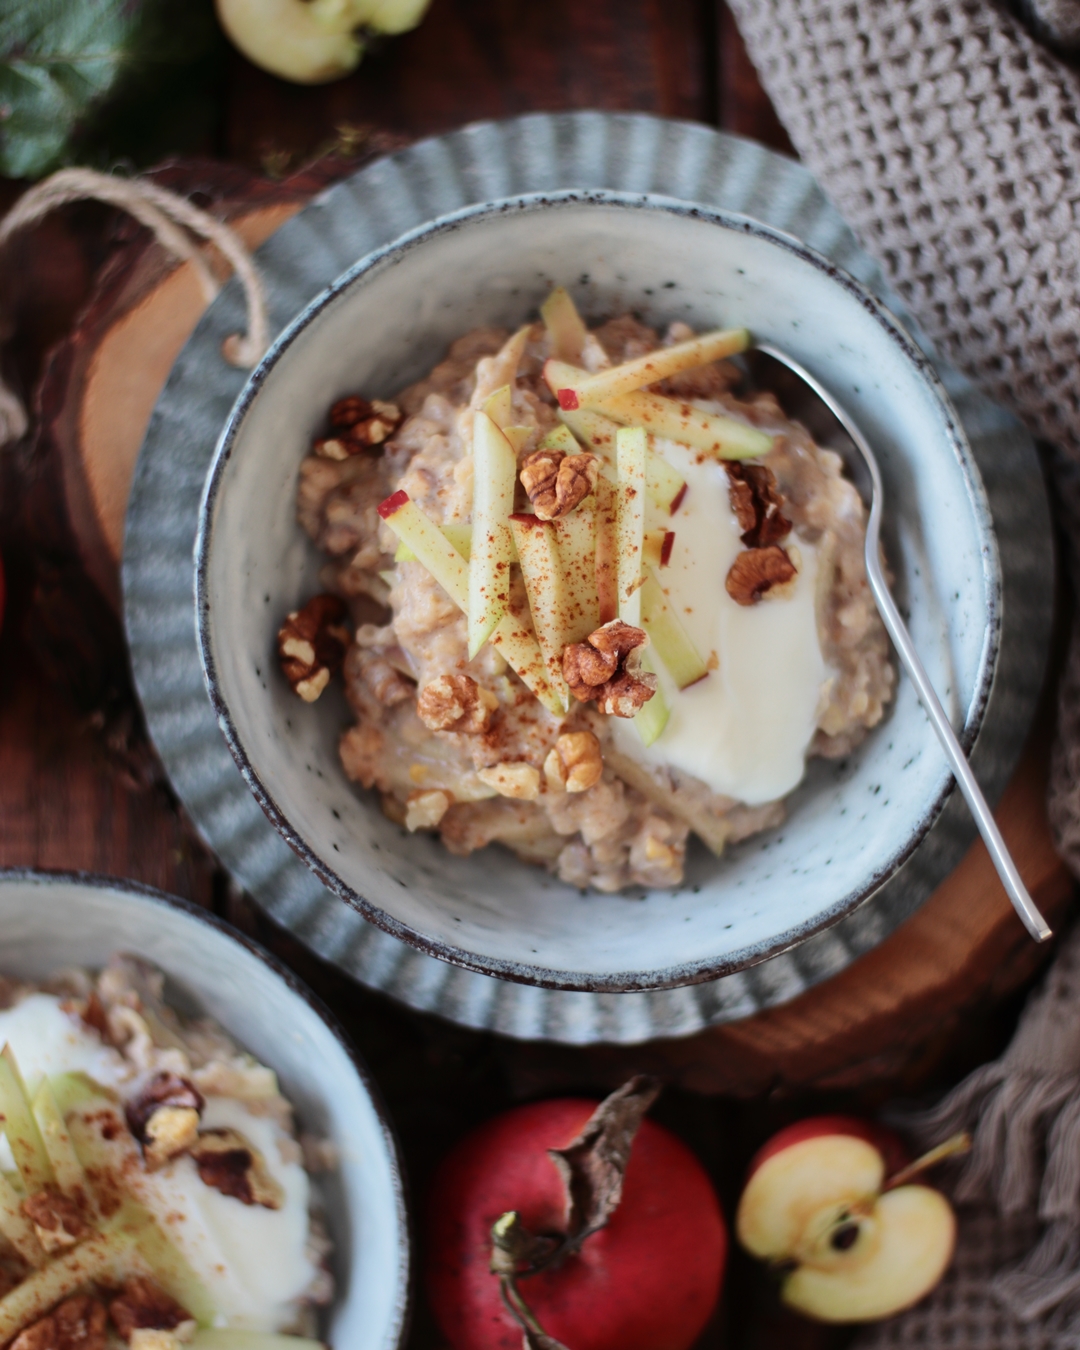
x: 809, y: 410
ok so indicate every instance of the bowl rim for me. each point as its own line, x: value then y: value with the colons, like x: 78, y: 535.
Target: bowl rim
x: 521, y: 972
x: 140, y: 891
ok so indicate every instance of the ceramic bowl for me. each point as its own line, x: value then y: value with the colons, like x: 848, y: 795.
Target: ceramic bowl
x: 384, y: 323
x: 50, y: 921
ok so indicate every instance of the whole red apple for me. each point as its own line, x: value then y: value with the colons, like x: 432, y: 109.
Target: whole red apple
x: 819, y: 1203
x: 647, y: 1281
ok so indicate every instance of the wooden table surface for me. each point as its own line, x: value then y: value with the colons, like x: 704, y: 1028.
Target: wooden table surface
x: 79, y: 786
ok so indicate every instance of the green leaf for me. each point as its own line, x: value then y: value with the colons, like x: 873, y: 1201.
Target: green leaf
x: 65, y: 64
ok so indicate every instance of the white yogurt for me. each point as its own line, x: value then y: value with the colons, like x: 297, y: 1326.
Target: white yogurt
x: 252, y: 1260
x: 745, y: 729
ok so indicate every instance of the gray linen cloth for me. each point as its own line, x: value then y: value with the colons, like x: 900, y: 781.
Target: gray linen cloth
x: 948, y: 134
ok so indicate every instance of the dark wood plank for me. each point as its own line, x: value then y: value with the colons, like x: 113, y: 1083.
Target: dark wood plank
x: 473, y: 59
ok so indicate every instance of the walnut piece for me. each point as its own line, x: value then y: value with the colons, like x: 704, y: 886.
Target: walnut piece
x: 756, y: 571
x: 556, y: 482
x: 456, y: 703
x: 513, y: 778
x: 425, y: 807
x: 164, y: 1118
x: 234, y: 1166
x: 79, y: 1323
x: 605, y: 667
x: 575, y: 762
x: 312, y: 643
x: 58, y: 1221
x: 358, y: 425
x: 757, y: 503
x: 142, y: 1306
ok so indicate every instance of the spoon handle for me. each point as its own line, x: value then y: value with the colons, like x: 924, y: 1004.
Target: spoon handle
x: 996, y: 846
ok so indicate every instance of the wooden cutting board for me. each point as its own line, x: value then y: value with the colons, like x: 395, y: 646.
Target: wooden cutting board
x: 878, y: 1021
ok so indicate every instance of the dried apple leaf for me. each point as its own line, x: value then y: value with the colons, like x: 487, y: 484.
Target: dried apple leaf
x: 593, y: 1166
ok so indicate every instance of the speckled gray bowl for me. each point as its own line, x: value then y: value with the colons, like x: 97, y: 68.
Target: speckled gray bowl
x: 384, y: 323
x: 49, y: 921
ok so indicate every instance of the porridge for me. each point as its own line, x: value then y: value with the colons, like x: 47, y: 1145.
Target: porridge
x: 587, y: 596
x: 153, y: 1190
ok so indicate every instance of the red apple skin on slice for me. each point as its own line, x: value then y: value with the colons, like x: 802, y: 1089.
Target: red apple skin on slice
x: 910, y: 1242
x: 647, y: 1281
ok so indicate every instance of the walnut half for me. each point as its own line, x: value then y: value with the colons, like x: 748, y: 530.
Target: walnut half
x: 164, y: 1118
x: 575, y: 762
x: 57, y: 1221
x: 141, y: 1306
x: 557, y: 482
x: 456, y: 703
x: 79, y: 1323
x: 234, y: 1166
x: 358, y: 425
x: 606, y: 667
x: 756, y: 571
x: 312, y: 643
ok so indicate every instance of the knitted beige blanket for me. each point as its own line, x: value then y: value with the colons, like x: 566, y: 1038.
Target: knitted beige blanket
x: 948, y: 134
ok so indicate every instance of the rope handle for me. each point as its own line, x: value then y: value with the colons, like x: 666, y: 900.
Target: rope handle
x: 163, y: 213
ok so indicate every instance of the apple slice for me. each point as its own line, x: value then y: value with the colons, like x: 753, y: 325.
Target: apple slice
x: 630, y: 447
x: 662, y: 363
x: 17, y: 1228
x: 512, y: 637
x: 548, y: 592
x: 651, y: 719
x: 429, y: 545
x: 67, y: 1169
x: 565, y: 326
x: 105, y: 1258
x: 561, y: 438
x: 723, y: 437
x: 459, y: 532
x: 20, y: 1127
x: 606, y: 521
x: 222, y: 1338
x: 665, y: 485
x: 901, y: 1253
x: 668, y: 637
x: 499, y: 406
x: 494, y: 480
x: 575, y: 544
x: 517, y: 436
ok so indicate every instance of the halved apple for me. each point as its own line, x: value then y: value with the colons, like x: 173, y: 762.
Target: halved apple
x: 661, y: 364
x: 564, y: 324
x: 819, y: 1198
x: 630, y: 450
x: 492, y: 551
x: 681, y: 658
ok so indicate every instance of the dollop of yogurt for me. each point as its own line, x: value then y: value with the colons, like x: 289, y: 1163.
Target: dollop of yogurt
x: 252, y: 1260
x: 744, y: 729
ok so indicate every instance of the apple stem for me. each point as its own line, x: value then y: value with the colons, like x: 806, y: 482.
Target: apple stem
x: 951, y: 1148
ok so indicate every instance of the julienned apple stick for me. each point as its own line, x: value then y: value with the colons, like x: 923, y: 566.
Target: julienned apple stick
x: 564, y: 325
x: 545, y: 585
x: 669, y: 640
x: 511, y: 637
x: 724, y: 437
x: 664, y: 484
x: 492, y: 550
x: 629, y: 520
x: 661, y: 364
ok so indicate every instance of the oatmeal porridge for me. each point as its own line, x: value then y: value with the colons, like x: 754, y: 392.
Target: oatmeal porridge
x: 587, y: 595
